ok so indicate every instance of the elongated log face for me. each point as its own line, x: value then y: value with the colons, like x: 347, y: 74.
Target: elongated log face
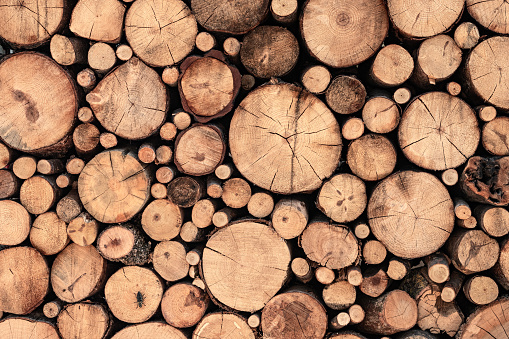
x: 24, y: 277
x: 284, y: 139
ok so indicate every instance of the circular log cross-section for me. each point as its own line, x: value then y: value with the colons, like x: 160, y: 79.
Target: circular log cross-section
x: 114, y: 186
x: 437, y: 59
x: 343, y: 33
x: 438, y: 131
x: 28, y: 24
x: 411, y: 213
x: 160, y: 32
x: 390, y: 313
x: 30, y: 122
x: 21, y: 328
x: 422, y: 18
x: 392, y: 66
x: 133, y: 294
x: 495, y: 136
x: 371, y: 157
x: 238, y: 257
x: 131, y: 101
x: 342, y: 198
x: 208, y: 86
x: 294, y: 315
x: 472, y: 251
x: 233, y: 17
x: 332, y: 246
x: 269, y: 51
x: 24, y: 277
x: 98, y: 20
x: 199, y: 149
x: 490, y: 14
x: 161, y: 220
x: 223, y: 325
x: 380, y: 114
x: 48, y: 234
x: 15, y: 222
x: 124, y: 243
x: 284, y: 139
x: 488, y: 322
x: 487, y: 71
x: 150, y: 330
x: 183, y: 305
x: 77, y: 273
x: 169, y: 260
x: 484, y: 180
x: 83, y: 320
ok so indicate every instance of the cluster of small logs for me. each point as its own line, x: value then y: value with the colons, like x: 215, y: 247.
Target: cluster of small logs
x: 254, y: 169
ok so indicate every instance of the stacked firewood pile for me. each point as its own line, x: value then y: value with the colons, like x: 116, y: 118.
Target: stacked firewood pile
x: 254, y: 169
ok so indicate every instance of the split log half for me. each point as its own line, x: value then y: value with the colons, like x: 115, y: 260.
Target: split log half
x: 99, y: 20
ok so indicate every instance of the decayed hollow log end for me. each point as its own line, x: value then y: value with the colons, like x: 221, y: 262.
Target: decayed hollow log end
x: 486, y: 180
x: 284, y: 139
